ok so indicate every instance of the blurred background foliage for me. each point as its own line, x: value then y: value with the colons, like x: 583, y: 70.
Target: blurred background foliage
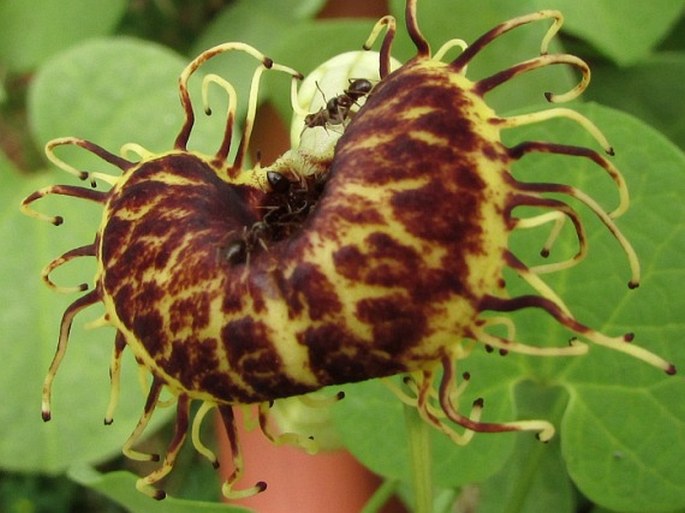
x: 107, y: 70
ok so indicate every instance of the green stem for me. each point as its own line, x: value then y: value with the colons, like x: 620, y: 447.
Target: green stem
x: 420, y: 454
x: 380, y: 496
x: 529, y: 471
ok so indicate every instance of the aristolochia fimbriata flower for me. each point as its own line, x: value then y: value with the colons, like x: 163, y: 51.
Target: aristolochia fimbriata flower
x: 369, y: 257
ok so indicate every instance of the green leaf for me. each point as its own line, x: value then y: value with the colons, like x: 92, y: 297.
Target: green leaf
x: 121, y: 487
x: 33, y: 30
x: 534, y: 478
x: 371, y: 425
x: 621, y: 433
x: 675, y: 41
x: 626, y: 32
x: 332, y: 37
x: 442, y: 20
x: 266, y: 26
x: 112, y: 91
x: 650, y: 90
x: 29, y: 324
x: 117, y: 91
x: 617, y: 405
x: 259, y: 23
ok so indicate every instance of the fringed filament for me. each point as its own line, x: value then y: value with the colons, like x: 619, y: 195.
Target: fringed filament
x: 430, y: 410
x: 136, y: 149
x: 508, y: 343
x: 544, y: 429
x: 82, y: 251
x: 200, y: 447
x: 115, y: 377
x: 557, y: 217
x: 558, y: 112
x: 560, y: 211
x: 148, y: 409
x: 60, y: 190
x: 603, y: 216
x: 487, y: 84
x: 412, y: 23
x: 237, y: 457
x: 295, y: 439
x: 524, y: 148
x: 438, y: 404
x: 446, y: 47
x: 65, y: 327
x: 265, y: 63
x: 620, y: 343
x: 534, y: 281
x: 387, y: 22
x: 502, y: 28
x: 222, y: 153
x: 99, y: 322
x: 119, y: 162
x: 321, y: 402
x: 180, y: 432
x: 236, y: 168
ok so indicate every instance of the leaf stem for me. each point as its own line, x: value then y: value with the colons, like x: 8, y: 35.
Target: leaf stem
x: 419, y: 451
x: 380, y: 496
x: 528, y: 473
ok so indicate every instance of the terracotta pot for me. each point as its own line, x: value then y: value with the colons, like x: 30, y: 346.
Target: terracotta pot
x: 330, y: 481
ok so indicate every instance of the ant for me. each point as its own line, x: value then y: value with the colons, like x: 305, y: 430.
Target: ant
x: 290, y: 204
x: 337, y: 109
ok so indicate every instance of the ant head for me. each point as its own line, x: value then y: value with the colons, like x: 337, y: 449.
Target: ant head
x: 277, y: 181
x: 358, y: 88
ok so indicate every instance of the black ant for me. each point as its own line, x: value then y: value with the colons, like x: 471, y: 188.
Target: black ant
x: 289, y: 205
x: 337, y: 109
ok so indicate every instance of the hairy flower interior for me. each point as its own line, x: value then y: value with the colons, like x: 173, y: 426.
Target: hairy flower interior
x: 235, y: 286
